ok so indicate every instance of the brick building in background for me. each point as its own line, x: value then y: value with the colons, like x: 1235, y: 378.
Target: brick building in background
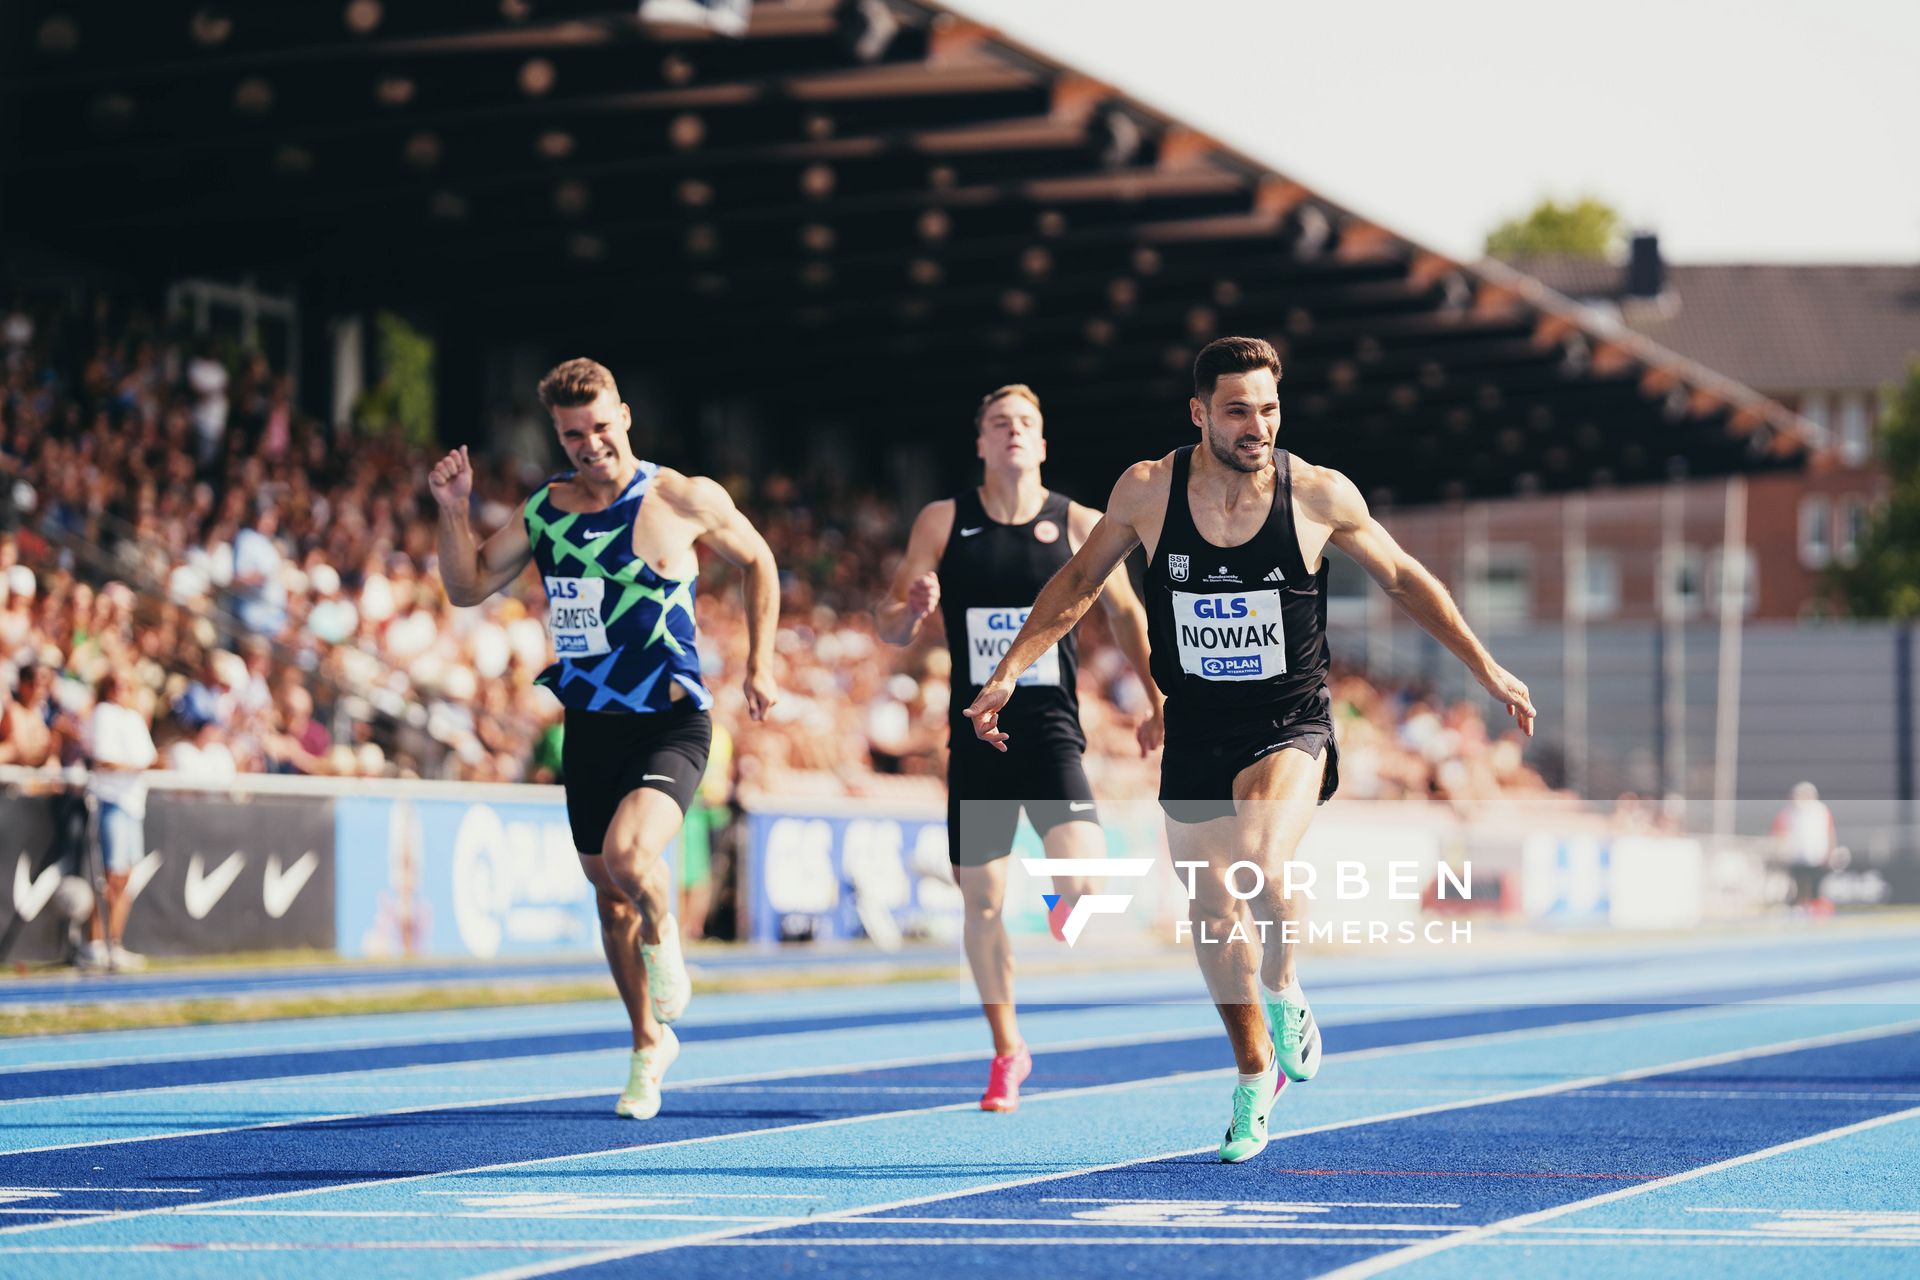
x: 1823, y: 340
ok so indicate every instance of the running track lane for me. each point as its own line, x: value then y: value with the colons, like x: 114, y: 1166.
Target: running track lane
x: 71, y: 1081
x: 1378, y: 1188
x: 882, y: 1158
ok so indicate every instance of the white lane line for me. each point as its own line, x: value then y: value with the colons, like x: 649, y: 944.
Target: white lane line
x: 1903, y: 1215
x: 877, y: 1242
x: 1273, y: 1205
x: 1427, y: 1227
x: 665, y: 1197
x: 1787, y: 1233
x: 615, y: 1024
x: 441, y: 1092
x: 163, y: 1191
x: 784, y: 1073
x: 1686, y: 1064
x: 442, y: 1104
x: 1475, y: 1235
x: 702, y: 1140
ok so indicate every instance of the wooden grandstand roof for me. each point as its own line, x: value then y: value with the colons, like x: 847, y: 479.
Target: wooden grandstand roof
x: 887, y: 222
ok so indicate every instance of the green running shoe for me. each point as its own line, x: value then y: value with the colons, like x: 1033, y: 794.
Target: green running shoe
x: 1252, y: 1104
x: 1296, y: 1038
x: 641, y: 1099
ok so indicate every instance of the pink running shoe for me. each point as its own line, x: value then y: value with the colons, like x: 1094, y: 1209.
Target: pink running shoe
x: 1003, y: 1080
x: 1057, y: 913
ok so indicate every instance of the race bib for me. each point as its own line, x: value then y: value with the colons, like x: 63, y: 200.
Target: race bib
x: 990, y: 634
x: 573, y: 617
x: 1231, y: 636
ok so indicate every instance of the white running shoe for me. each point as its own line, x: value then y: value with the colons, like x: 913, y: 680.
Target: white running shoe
x: 125, y: 961
x: 641, y: 1099
x: 668, y: 986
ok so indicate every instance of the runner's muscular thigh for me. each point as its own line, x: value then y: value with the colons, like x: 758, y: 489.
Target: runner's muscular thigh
x: 1276, y: 796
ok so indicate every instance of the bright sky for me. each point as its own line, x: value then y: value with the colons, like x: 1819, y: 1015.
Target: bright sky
x: 1739, y: 130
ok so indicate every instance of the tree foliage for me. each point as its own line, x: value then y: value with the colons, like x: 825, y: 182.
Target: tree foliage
x: 1884, y: 579
x: 1586, y: 228
x: 401, y: 403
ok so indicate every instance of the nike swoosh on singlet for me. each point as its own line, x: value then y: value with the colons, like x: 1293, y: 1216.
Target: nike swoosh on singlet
x: 1078, y: 807
x: 658, y: 777
x: 968, y: 533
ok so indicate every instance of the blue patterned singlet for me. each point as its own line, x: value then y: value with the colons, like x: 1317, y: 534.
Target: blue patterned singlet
x: 623, y: 634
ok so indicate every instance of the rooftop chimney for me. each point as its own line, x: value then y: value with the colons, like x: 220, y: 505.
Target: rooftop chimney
x: 1646, y: 274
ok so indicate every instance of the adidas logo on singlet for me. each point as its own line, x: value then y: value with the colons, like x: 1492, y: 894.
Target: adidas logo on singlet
x: 1275, y: 576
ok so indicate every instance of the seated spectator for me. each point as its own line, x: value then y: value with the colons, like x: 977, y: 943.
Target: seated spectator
x: 201, y: 752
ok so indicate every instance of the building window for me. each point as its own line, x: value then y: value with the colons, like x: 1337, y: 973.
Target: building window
x: 1681, y: 590
x: 1816, y: 531
x: 1597, y: 593
x: 1813, y: 407
x: 1503, y: 594
x: 1856, y: 438
x: 1853, y: 529
x: 1746, y: 572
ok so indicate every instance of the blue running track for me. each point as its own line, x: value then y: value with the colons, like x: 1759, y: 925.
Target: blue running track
x: 1741, y: 1108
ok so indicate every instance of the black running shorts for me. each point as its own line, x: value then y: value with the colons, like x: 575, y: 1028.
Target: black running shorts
x: 1197, y: 768
x: 605, y: 755
x: 987, y: 789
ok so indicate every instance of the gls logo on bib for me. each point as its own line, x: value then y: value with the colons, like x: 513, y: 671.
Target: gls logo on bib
x: 573, y: 617
x: 1234, y: 635
x: 990, y: 634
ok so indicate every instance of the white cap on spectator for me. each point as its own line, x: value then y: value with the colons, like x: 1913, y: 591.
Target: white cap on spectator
x: 326, y: 579
x: 21, y: 580
x: 490, y: 650
x: 460, y: 684
x: 229, y: 668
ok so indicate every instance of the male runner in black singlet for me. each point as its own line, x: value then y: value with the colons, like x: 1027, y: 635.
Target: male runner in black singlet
x: 979, y: 558
x: 1237, y: 609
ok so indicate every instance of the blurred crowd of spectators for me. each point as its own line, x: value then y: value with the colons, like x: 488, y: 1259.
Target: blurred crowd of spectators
x: 266, y: 587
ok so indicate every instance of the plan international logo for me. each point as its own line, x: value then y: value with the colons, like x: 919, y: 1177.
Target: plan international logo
x: 1091, y: 904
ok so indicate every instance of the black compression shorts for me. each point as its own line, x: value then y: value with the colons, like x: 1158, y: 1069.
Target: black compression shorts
x: 605, y: 755
x: 987, y: 789
x: 1197, y: 769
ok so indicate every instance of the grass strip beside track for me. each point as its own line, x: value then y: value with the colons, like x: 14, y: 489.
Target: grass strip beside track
x: 204, y: 1011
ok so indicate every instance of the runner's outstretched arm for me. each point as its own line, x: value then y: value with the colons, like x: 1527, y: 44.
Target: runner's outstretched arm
x: 1063, y: 601
x: 470, y: 569
x: 1424, y: 597
x: 736, y: 541
x: 1127, y: 619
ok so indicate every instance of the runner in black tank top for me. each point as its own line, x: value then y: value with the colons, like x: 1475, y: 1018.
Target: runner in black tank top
x: 989, y: 573
x: 1239, y: 646
x: 980, y: 559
